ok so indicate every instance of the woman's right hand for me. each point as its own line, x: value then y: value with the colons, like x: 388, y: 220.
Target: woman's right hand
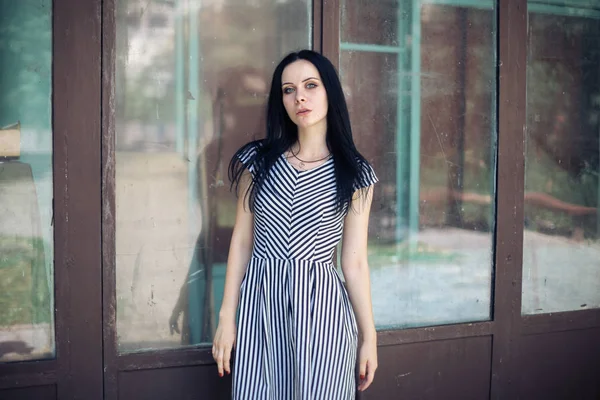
x: 240, y: 251
x: 223, y: 343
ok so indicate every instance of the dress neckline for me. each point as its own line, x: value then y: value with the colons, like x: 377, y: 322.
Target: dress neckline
x: 285, y: 160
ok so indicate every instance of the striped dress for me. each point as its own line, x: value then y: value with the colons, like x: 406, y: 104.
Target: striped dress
x: 297, y: 334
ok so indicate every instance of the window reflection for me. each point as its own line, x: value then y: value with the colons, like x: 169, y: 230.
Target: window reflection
x: 26, y: 232
x: 561, y: 250
x: 191, y: 89
x: 421, y: 86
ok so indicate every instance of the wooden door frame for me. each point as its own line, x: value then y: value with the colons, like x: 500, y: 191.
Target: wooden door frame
x: 76, y: 370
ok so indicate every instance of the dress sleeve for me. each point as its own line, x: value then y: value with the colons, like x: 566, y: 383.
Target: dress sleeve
x: 246, y: 155
x: 366, y: 178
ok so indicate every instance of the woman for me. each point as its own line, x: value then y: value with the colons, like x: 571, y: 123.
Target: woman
x: 301, y: 190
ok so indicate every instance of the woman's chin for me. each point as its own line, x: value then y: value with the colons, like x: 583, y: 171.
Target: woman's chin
x: 303, y: 124
x: 306, y: 123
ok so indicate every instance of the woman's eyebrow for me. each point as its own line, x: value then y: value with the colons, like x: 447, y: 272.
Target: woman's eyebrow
x: 307, y: 79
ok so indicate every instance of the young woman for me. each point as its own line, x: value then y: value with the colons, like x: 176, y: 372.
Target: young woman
x: 300, y: 191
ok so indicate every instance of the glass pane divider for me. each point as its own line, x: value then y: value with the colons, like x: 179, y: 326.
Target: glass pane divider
x: 563, y: 10
x: 415, y: 122
x: 372, y: 48
x: 571, y: 8
x: 481, y: 4
x: 402, y: 121
x: 180, y: 79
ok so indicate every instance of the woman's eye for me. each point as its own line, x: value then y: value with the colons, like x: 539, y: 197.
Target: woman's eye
x: 288, y: 90
x: 311, y: 85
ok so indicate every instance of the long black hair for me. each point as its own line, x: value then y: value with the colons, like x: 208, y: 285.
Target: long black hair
x: 350, y: 166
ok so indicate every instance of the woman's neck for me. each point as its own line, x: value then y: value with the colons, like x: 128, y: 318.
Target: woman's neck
x: 312, y: 143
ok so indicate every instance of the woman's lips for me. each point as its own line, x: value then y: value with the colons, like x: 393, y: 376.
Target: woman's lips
x: 303, y: 112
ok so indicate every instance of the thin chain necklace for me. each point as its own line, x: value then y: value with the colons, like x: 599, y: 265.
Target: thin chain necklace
x: 303, y: 162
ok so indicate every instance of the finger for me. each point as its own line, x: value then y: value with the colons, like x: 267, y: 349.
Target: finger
x: 226, y: 360
x: 214, y: 352
x: 220, y: 361
x: 362, y: 369
x: 368, y: 379
x: 370, y: 376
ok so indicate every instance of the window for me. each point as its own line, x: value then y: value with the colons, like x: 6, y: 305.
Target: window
x: 186, y: 100
x: 421, y: 83
x: 561, y: 271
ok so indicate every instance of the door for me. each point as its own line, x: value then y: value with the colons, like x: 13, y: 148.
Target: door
x: 190, y: 84
x: 421, y: 80
x: 481, y: 119
x: 50, y: 260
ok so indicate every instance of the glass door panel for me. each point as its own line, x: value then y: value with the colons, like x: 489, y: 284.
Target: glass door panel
x: 420, y: 79
x: 191, y: 84
x: 561, y: 250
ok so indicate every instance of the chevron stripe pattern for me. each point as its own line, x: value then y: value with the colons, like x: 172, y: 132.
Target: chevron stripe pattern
x: 297, y: 334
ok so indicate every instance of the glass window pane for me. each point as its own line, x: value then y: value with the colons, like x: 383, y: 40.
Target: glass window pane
x: 191, y: 85
x: 423, y: 111
x: 26, y: 232
x: 561, y: 251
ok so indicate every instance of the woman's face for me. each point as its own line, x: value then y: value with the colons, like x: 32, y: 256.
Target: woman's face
x: 304, y: 96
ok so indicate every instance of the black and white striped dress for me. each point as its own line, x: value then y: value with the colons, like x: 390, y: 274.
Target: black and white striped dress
x: 297, y: 334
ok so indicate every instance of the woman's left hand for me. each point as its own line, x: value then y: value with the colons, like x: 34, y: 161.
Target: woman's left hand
x: 367, y: 359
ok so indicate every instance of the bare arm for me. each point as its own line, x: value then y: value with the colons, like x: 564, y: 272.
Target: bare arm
x: 356, y: 272
x: 240, y: 251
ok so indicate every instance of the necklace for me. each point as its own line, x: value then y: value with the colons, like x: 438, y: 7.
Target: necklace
x: 304, y: 162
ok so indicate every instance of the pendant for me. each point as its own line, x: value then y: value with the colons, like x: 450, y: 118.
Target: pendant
x: 301, y: 164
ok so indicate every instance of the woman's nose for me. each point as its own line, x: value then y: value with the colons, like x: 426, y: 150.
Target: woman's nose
x: 300, y: 98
